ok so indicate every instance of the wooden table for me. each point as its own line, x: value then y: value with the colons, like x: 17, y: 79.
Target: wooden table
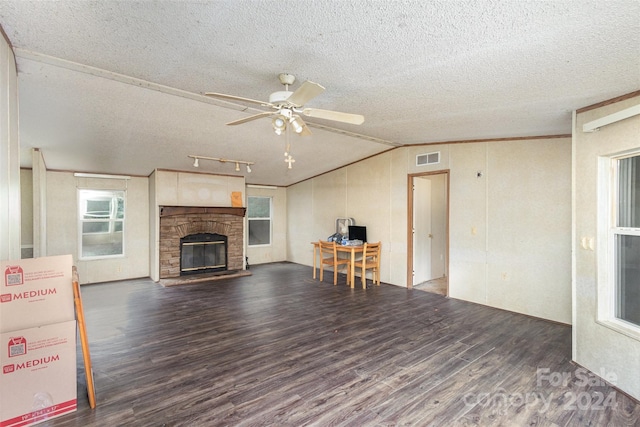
x: 352, y: 250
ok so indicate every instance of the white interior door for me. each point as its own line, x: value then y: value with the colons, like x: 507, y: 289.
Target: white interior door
x: 438, y: 225
x: 421, y: 230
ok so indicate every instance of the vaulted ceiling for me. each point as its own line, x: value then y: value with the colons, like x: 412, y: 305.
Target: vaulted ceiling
x: 118, y: 86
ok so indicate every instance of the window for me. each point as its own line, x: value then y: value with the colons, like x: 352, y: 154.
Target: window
x: 259, y: 218
x: 619, y: 295
x: 101, y: 223
x: 626, y: 237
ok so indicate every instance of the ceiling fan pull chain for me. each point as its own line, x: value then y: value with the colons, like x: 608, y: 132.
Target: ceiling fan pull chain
x: 287, y: 149
x: 287, y: 146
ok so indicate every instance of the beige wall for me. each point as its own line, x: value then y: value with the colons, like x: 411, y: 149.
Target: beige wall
x: 62, y: 226
x: 39, y: 201
x: 9, y: 156
x: 509, y: 229
x: 277, y: 250
x: 529, y: 223
x: 360, y: 191
x: 195, y: 189
x: 595, y: 346
x: 26, y: 211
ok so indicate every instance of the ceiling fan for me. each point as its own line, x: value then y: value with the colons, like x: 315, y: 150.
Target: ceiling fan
x: 288, y: 106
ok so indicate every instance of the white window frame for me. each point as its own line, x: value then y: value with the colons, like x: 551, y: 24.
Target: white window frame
x: 111, y: 220
x: 270, y: 218
x: 607, y: 231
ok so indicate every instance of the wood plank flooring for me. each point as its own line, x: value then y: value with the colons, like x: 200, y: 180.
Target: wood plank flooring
x: 278, y: 348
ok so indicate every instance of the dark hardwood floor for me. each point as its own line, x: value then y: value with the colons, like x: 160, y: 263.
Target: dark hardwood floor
x: 279, y: 349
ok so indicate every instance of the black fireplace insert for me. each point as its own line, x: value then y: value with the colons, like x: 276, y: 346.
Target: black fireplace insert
x: 203, y: 253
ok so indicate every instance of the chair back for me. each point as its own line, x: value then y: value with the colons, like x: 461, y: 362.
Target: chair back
x: 328, y: 249
x: 371, y: 250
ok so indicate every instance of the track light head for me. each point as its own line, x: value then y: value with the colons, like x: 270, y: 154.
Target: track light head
x: 195, y: 163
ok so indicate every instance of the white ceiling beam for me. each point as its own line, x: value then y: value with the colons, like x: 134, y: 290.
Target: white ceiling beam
x: 595, y: 125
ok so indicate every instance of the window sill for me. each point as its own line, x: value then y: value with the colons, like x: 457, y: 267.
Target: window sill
x: 100, y: 257
x: 622, y: 327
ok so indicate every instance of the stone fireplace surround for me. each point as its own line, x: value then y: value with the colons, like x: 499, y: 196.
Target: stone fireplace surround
x: 179, y: 221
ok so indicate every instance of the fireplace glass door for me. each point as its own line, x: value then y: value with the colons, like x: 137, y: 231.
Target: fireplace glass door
x: 201, y: 253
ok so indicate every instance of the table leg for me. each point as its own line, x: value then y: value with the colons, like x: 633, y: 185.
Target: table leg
x: 353, y: 267
x: 314, y: 261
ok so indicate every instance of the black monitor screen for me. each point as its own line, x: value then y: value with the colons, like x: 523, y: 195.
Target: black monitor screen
x: 358, y: 232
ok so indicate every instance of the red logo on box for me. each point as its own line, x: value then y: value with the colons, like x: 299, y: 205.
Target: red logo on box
x: 5, y: 298
x: 17, y: 346
x: 13, y: 275
x: 6, y: 369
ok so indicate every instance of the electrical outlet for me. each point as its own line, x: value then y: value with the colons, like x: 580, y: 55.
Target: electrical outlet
x: 587, y: 243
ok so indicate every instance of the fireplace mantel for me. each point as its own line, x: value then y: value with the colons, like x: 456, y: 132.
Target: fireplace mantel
x: 184, y: 210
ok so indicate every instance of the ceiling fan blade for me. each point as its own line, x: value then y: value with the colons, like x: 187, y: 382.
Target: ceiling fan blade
x: 354, y: 119
x: 308, y: 90
x: 250, y: 118
x: 238, y: 98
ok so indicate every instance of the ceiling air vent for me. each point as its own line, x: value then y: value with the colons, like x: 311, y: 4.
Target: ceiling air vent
x: 428, y: 159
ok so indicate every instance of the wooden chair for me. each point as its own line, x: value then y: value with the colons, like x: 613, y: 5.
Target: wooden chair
x: 370, y: 261
x: 329, y: 256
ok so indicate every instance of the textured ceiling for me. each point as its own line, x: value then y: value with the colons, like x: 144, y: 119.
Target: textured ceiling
x: 116, y: 86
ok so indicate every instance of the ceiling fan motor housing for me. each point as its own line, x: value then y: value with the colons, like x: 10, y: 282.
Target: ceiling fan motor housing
x: 286, y: 79
x: 279, y: 98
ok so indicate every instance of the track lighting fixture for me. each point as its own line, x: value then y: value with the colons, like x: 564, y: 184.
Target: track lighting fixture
x: 221, y: 160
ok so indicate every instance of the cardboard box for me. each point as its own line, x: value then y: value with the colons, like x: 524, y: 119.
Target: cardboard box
x: 35, y: 292
x: 38, y: 379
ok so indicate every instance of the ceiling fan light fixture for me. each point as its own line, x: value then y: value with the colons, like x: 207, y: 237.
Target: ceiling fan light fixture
x: 296, y: 126
x: 279, y: 124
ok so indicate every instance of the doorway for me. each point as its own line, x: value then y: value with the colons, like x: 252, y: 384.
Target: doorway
x: 428, y: 232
